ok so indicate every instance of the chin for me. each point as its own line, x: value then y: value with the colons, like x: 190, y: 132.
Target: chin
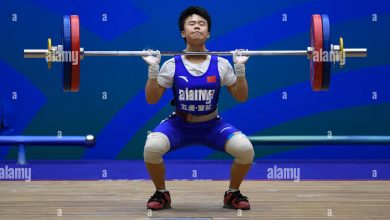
x: 196, y: 41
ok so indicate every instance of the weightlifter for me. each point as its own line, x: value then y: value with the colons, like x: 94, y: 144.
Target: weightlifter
x: 196, y: 82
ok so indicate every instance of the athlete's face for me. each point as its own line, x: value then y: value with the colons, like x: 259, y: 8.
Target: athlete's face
x: 195, y: 30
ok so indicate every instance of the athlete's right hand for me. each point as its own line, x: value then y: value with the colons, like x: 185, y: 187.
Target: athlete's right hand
x: 152, y: 60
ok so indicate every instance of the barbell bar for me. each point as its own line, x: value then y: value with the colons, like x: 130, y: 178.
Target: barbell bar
x: 42, y: 53
x: 321, y: 53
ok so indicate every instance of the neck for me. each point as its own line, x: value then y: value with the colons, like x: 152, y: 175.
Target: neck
x: 196, y: 48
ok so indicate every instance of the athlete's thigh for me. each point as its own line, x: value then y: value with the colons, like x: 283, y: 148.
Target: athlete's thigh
x: 173, y: 128
x: 217, y: 135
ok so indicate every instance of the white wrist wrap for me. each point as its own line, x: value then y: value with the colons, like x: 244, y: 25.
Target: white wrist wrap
x: 153, y: 71
x: 240, y: 70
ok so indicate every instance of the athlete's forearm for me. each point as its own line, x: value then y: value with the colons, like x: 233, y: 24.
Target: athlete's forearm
x: 152, y: 91
x: 241, y: 89
x: 151, y: 88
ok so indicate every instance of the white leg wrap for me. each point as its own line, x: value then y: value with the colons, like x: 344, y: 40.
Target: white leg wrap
x: 240, y: 148
x: 156, y: 145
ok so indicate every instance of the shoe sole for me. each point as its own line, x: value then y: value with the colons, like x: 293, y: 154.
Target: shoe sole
x: 165, y: 207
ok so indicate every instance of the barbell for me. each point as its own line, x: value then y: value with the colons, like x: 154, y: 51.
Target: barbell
x: 321, y: 53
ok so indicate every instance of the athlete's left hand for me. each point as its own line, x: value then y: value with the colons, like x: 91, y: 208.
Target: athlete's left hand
x: 238, y: 58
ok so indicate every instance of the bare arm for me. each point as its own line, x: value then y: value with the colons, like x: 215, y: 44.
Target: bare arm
x: 153, y: 91
x: 239, y: 90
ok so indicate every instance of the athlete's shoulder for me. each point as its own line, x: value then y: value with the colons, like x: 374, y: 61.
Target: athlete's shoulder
x: 223, y: 61
x: 169, y: 64
x: 169, y: 61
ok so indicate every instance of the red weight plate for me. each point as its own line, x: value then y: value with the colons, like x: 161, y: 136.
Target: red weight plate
x: 75, y: 35
x: 316, y: 42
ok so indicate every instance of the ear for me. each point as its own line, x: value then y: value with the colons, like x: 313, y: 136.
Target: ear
x: 208, y: 36
x: 183, y: 34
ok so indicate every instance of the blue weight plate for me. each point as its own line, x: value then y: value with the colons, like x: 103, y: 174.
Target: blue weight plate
x: 326, y: 65
x: 67, y: 47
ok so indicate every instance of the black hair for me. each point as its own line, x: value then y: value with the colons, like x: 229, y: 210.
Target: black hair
x: 194, y: 10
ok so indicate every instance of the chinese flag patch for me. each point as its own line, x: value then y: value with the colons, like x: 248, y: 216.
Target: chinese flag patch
x: 211, y: 79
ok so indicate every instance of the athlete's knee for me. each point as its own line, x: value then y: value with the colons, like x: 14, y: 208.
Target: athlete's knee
x: 240, y: 148
x: 156, y: 145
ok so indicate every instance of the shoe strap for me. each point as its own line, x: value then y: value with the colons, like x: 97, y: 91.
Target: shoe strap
x: 158, y: 197
x: 238, y: 197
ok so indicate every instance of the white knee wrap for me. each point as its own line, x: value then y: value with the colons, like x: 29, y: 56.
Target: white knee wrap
x: 240, y: 148
x: 156, y: 145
